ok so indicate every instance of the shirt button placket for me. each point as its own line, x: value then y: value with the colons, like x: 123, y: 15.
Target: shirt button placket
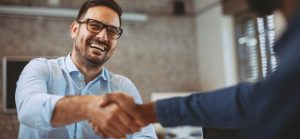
x: 82, y: 83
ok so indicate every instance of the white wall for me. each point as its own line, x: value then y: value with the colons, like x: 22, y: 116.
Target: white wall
x: 280, y: 23
x: 216, y: 53
x: 202, y: 4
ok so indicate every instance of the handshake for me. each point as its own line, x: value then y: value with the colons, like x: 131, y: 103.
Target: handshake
x: 119, y: 115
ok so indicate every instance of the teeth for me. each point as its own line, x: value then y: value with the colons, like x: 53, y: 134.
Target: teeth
x: 98, y: 46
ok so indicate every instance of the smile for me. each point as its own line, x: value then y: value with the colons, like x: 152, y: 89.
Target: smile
x: 101, y: 47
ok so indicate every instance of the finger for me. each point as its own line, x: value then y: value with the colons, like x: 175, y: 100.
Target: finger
x: 106, y: 100
x: 119, y: 126
x: 92, y: 124
x: 111, y: 97
x: 140, y: 123
x: 122, y: 122
x: 129, y: 122
x: 108, y: 130
x: 114, y: 125
x: 113, y: 131
x: 129, y: 106
x: 125, y: 102
x: 103, y: 134
x: 95, y: 128
x: 98, y: 131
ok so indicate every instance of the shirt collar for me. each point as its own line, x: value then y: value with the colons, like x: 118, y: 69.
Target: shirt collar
x: 71, y: 65
x: 72, y: 68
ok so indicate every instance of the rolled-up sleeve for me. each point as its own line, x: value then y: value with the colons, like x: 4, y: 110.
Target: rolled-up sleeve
x: 147, y: 132
x: 34, y: 105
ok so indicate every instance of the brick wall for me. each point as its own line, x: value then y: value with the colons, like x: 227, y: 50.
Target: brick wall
x: 145, y: 6
x: 159, y: 55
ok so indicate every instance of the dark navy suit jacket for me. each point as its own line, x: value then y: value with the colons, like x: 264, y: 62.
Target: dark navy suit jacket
x: 268, y: 109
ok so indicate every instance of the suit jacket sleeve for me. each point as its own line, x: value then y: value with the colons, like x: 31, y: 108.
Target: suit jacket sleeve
x: 223, y: 108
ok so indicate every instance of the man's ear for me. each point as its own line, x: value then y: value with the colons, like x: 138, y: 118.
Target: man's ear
x: 74, y: 29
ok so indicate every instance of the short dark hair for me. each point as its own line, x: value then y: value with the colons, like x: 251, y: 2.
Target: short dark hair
x: 92, y: 3
x: 264, y: 7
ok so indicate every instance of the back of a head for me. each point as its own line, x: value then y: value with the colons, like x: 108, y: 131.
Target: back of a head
x: 92, y: 3
x: 264, y: 7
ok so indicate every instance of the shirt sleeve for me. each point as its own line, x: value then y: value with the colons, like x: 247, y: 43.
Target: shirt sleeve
x: 147, y: 132
x: 223, y: 108
x: 34, y: 105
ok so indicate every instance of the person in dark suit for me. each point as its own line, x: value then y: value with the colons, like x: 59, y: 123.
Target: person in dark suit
x: 267, y: 109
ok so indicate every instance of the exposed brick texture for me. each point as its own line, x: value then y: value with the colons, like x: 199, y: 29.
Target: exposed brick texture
x: 145, y: 6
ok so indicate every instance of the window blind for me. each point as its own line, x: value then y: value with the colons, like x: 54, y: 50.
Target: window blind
x: 256, y: 37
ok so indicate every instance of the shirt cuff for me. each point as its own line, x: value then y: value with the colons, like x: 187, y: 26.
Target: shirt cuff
x: 51, y: 103
x: 168, y: 113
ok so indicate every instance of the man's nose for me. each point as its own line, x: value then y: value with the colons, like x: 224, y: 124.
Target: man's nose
x: 102, y: 34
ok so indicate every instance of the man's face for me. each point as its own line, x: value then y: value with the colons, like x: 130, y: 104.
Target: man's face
x: 95, y: 48
x: 264, y: 7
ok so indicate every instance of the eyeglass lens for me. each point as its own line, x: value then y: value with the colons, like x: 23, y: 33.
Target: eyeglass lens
x: 96, y: 27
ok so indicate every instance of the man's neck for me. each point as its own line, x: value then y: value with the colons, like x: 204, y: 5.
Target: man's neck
x: 89, y: 71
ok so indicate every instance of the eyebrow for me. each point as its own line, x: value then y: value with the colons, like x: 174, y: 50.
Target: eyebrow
x: 102, y: 23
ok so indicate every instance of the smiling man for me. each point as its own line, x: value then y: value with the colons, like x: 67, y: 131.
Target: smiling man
x: 56, y: 98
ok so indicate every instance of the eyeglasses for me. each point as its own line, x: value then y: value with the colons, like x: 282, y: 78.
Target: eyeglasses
x: 95, y: 26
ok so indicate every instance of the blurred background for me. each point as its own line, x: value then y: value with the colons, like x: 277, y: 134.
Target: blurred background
x: 168, y: 46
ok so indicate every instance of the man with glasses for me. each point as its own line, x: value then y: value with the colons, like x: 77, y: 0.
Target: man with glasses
x: 57, y: 98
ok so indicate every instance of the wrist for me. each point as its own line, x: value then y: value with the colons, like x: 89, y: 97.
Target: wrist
x: 91, y: 102
x: 148, y: 113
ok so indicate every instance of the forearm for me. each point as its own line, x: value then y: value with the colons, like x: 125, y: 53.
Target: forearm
x: 71, y: 109
x: 148, y: 113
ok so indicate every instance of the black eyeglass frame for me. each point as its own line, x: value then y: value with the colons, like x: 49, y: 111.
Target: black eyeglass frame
x: 120, y: 30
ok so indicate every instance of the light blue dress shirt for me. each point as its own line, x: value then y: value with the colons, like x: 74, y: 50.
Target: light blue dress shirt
x: 43, y: 82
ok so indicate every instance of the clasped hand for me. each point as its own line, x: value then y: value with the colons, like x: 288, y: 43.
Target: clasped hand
x: 115, y: 115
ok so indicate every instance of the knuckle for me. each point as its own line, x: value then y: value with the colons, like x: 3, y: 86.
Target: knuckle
x: 131, y: 99
x: 110, y: 117
x: 114, y: 112
x: 127, y: 122
x: 104, y: 124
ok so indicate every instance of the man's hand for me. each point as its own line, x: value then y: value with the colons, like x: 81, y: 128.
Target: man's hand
x: 143, y: 114
x: 136, y: 116
x: 110, y: 120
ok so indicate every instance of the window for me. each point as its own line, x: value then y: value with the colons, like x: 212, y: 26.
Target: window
x: 255, y: 40
x: 12, y: 68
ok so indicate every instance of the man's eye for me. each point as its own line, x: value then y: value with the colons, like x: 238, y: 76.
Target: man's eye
x: 113, y: 30
x: 96, y: 26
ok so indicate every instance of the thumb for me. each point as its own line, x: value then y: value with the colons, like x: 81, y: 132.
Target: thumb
x: 106, y: 100
x: 110, y: 98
